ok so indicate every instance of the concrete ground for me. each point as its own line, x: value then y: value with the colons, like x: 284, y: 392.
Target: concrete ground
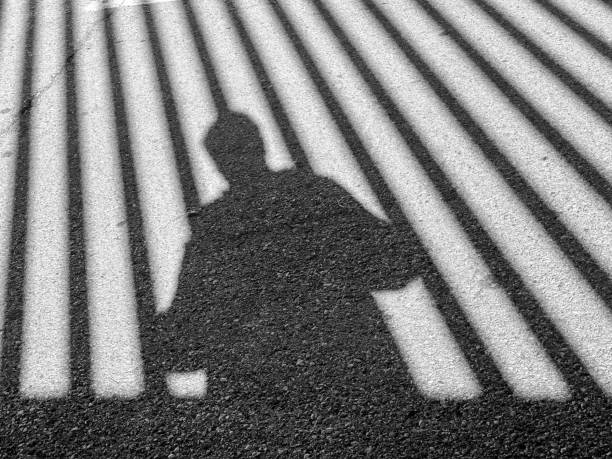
x: 286, y: 228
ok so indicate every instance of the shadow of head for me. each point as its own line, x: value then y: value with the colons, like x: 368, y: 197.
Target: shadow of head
x: 235, y: 144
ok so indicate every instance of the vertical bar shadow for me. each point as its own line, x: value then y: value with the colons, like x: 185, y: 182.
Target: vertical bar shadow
x: 179, y: 145
x: 473, y: 348
x: 601, y: 46
x: 1, y: 14
x: 573, y: 157
x: 154, y: 379
x: 505, y: 275
x: 12, y: 334
x: 212, y: 79
x: 278, y: 112
x: 79, y: 317
x: 573, y: 83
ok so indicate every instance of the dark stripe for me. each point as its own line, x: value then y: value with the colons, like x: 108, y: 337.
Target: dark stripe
x: 1, y: 15
x: 12, y: 334
x: 480, y: 362
x: 502, y: 270
x: 154, y: 379
x: 577, y: 87
x: 279, y: 113
x: 79, y: 318
x: 179, y: 145
x: 276, y: 107
x: 601, y: 46
x: 590, y: 174
x: 212, y: 79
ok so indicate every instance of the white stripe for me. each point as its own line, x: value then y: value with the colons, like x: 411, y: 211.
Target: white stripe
x: 45, y: 353
x: 426, y: 343
x: 327, y: 152
x: 573, y: 307
x: 195, y: 105
x: 514, y: 348
x: 239, y: 82
x: 591, y: 136
x: 576, y: 55
x: 163, y: 210
x: 592, y: 14
x: 96, y: 5
x: 584, y: 212
x: 12, y: 43
x: 115, y: 348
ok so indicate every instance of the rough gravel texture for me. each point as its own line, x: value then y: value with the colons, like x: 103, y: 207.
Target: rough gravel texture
x: 300, y: 363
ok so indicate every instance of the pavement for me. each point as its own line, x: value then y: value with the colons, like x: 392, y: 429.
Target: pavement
x: 376, y: 228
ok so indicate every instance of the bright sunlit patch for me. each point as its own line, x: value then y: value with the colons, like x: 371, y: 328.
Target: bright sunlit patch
x: 433, y: 358
x: 187, y: 384
x: 94, y: 5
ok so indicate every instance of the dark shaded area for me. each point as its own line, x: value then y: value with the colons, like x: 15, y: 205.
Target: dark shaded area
x: 287, y: 130
x: 270, y: 302
x: 1, y: 14
x: 80, y: 357
x: 169, y: 428
x: 477, y: 356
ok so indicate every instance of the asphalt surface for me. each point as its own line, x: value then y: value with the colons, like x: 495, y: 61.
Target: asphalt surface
x: 274, y: 297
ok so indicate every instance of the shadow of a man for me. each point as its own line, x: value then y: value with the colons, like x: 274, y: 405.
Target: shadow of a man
x: 274, y: 299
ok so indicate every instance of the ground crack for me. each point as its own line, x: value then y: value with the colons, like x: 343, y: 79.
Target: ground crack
x: 28, y: 103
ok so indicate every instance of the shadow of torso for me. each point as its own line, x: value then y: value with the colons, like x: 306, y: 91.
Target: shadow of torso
x: 274, y: 302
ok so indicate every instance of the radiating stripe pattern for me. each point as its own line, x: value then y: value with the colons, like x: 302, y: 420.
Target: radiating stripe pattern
x: 488, y: 122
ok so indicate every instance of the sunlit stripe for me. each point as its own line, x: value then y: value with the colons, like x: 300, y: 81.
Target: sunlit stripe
x: 239, y: 83
x: 12, y: 26
x: 556, y: 103
x: 187, y: 385
x: 568, y: 49
x: 327, y: 153
x: 166, y: 227
x: 592, y: 14
x: 96, y: 5
x: 581, y: 209
x: 115, y: 347
x: 370, y: 126
x: 196, y: 107
x: 428, y: 347
x: 558, y: 184
x: 12, y: 43
x: 516, y: 351
x: 116, y: 360
x: 574, y: 308
x: 45, y: 365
